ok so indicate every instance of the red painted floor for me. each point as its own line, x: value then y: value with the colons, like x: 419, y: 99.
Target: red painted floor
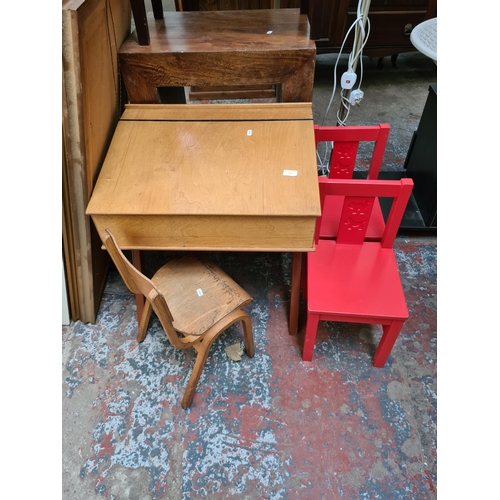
x: 271, y: 427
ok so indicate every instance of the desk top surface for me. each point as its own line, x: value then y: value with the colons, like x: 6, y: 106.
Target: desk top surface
x: 243, y: 159
x: 225, y: 31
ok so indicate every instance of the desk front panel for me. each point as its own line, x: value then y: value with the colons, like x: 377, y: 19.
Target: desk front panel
x: 231, y: 233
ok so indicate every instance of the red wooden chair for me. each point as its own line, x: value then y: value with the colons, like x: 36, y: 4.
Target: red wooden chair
x: 342, y: 163
x: 353, y: 280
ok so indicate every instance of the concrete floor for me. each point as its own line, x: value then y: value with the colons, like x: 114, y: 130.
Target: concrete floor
x: 270, y: 427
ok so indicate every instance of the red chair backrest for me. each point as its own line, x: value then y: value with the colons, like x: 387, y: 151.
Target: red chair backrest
x: 359, y: 196
x: 345, y: 147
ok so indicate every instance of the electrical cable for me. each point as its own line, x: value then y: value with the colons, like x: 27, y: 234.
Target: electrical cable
x: 335, y: 70
x: 358, y: 24
x: 344, y: 101
x: 359, y: 27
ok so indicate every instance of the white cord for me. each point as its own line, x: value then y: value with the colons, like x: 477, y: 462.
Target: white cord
x: 359, y: 25
x: 360, y: 52
x: 335, y: 69
x: 322, y: 164
x: 344, y: 101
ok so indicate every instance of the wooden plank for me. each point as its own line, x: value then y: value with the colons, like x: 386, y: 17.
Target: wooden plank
x: 93, y: 30
x: 240, y: 92
x: 242, y: 112
x: 69, y: 254
x: 76, y: 255
x: 224, y: 233
x: 186, y: 5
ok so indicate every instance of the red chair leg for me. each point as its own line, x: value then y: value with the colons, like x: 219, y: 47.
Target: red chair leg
x: 310, y: 338
x: 387, y: 341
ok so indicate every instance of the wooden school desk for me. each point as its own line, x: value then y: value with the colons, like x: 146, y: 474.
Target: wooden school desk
x: 211, y: 177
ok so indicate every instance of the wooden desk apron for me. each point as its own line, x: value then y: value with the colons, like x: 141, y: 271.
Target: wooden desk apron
x: 210, y: 177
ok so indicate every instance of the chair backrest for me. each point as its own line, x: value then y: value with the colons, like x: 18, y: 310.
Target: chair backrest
x: 345, y: 147
x: 358, y: 200
x: 137, y: 283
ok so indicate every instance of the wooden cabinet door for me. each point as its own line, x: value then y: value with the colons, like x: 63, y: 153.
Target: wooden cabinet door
x: 391, y: 22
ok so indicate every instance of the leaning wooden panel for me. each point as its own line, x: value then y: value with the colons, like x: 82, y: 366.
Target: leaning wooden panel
x: 232, y: 233
x: 69, y: 249
x: 93, y: 30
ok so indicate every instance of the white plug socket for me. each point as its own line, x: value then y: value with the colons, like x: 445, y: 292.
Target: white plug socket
x: 348, y: 80
x: 356, y: 97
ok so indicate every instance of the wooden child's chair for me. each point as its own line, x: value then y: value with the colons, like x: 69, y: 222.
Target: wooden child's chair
x: 350, y: 279
x: 194, y: 300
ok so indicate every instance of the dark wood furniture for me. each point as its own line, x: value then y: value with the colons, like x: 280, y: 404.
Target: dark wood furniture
x: 391, y: 22
x: 196, y: 49
x: 223, y: 4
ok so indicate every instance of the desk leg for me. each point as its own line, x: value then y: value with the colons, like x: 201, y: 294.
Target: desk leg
x: 299, y: 87
x: 295, y: 293
x: 139, y: 90
x: 139, y: 298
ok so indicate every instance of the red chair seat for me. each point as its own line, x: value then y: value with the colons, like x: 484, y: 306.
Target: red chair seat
x: 371, y: 285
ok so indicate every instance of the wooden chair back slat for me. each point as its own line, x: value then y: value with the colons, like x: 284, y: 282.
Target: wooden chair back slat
x: 356, y: 213
x: 136, y: 282
x: 343, y: 159
x: 359, y: 197
x: 346, y: 142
